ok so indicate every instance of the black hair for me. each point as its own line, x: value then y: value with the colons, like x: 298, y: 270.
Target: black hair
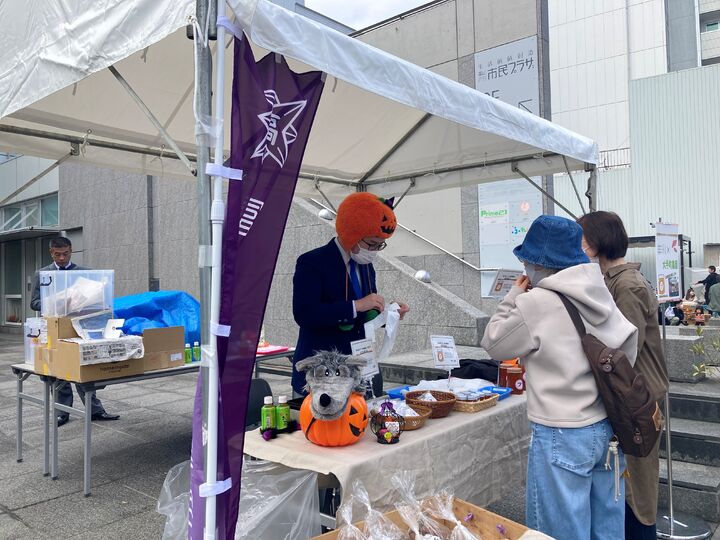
x: 605, y: 232
x: 711, y: 268
x: 60, y: 242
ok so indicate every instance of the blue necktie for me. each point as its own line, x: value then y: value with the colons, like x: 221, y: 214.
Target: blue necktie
x: 354, y: 279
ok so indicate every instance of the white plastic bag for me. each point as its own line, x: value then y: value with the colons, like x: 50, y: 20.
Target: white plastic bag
x: 174, y: 500
x: 275, y: 502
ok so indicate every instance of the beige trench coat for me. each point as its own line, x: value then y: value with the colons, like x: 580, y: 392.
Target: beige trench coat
x: 636, y: 300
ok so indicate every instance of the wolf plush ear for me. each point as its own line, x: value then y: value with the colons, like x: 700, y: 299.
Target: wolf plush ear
x: 356, y: 362
x: 308, y: 363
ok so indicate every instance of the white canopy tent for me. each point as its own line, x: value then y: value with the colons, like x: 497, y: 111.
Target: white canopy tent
x: 112, y: 85
x: 382, y: 121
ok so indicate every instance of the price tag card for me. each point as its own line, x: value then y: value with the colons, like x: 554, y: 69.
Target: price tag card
x: 364, y: 348
x: 504, y: 280
x: 444, y: 352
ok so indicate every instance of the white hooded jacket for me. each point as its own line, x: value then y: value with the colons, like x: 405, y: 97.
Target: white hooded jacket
x: 535, y: 326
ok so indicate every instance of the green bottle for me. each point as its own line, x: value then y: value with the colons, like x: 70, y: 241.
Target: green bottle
x: 188, y: 354
x: 282, y: 414
x: 267, y: 414
x: 196, y: 352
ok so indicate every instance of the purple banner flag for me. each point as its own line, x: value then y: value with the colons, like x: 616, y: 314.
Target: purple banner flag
x: 272, y: 112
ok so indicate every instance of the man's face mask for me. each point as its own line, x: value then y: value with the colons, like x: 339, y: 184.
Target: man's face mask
x: 364, y: 256
x: 537, y: 273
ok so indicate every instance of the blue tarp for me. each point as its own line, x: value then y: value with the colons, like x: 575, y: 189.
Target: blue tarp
x: 159, y: 310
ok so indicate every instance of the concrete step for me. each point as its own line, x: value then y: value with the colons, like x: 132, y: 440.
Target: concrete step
x: 696, y: 401
x: 694, y: 441
x: 696, y: 489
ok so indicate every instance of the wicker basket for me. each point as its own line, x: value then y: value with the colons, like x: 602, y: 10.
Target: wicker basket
x: 478, y: 405
x: 416, y: 422
x: 440, y: 408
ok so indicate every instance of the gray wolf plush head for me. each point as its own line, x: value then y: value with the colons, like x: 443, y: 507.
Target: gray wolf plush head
x: 331, y: 378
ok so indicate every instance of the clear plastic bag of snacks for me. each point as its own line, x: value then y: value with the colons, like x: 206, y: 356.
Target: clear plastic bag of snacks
x: 441, y: 507
x: 377, y: 526
x: 348, y: 531
x: 422, y: 525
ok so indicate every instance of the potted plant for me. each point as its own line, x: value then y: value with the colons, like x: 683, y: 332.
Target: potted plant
x: 709, y: 349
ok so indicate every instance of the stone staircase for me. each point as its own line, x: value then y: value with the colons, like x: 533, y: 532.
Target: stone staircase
x: 695, y: 440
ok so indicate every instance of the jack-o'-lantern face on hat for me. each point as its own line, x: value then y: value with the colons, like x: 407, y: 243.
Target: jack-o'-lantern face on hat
x: 364, y: 215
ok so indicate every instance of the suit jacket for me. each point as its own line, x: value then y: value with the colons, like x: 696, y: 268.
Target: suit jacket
x: 35, y: 298
x: 322, y: 302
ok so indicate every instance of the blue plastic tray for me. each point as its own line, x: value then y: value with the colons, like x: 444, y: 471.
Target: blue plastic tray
x: 501, y: 390
x: 396, y: 393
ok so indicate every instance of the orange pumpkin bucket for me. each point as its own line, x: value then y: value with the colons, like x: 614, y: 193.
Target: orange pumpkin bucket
x: 343, y: 431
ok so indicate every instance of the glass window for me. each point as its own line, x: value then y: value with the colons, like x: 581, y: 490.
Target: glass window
x: 710, y: 26
x: 12, y: 218
x: 12, y: 280
x: 32, y: 214
x: 49, y: 206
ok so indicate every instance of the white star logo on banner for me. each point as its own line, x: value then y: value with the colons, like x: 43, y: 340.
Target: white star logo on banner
x: 279, y: 123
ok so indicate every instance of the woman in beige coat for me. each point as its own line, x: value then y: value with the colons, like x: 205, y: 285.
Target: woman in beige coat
x: 606, y: 242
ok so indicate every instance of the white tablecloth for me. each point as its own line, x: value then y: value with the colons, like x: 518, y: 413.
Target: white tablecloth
x: 474, y: 455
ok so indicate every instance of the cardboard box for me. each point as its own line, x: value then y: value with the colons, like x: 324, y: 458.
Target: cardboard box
x: 59, y: 328
x: 484, y: 523
x: 65, y: 364
x: 42, y: 360
x: 164, y: 347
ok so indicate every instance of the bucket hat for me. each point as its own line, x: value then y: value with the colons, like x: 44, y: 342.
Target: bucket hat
x: 552, y: 242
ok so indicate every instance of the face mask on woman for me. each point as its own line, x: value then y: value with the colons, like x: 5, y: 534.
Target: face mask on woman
x: 364, y: 256
x: 537, y: 273
x: 594, y: 260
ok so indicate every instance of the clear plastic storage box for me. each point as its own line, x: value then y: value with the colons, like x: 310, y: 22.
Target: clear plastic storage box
x: 69, y: 292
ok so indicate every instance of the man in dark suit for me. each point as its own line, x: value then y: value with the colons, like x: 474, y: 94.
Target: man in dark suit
x: 61, y: 252
x: 334, y: 290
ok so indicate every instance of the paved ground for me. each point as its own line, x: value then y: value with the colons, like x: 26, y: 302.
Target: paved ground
x: 130, y: 459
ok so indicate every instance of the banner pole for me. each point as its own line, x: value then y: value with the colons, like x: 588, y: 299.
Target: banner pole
x: 217, y: 217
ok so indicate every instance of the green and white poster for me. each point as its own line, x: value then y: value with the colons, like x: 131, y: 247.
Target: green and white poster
x: 667, y: 253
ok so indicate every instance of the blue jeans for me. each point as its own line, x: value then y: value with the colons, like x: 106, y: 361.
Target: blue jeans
x: 570, y: 493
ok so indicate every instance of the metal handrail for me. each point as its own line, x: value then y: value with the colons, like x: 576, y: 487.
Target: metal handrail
x: 433, y: 244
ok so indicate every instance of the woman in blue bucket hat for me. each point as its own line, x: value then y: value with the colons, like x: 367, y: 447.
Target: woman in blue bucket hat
x: 571, y: 493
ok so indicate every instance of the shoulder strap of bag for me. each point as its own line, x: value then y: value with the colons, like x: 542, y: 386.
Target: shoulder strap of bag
x: 574, y: 315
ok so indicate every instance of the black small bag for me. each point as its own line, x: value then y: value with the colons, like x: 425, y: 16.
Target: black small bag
x: 476, y: 369
x: 633, y: 413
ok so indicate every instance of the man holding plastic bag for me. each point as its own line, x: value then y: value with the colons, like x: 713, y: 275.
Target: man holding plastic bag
x: 61, y: 253
x: 334, y: 290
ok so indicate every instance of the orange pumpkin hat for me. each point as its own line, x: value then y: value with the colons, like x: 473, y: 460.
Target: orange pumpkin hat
x: 363, y: 215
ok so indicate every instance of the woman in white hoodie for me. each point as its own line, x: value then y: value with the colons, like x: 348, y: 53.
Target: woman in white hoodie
x: 571, y: 493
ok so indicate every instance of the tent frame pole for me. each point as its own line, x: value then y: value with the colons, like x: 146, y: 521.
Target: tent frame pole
x: 516, y: 169
x: 591, y: 192
x: 98, y: 143
x: 217, y: 218
x: 394, y: 148
x: 575, y: 189
x: 74, y: 151
x: 150, y: 116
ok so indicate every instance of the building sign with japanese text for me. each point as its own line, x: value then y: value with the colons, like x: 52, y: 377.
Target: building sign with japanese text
x: 510, y: 73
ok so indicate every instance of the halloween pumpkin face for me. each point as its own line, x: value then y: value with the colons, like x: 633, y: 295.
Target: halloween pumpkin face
x: 364, y: 215
x: 343, y: 431
x: 386, y: 220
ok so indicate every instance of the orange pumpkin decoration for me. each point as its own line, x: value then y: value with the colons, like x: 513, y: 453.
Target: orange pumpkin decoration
x: 364, y: 215
x: 342, y: 431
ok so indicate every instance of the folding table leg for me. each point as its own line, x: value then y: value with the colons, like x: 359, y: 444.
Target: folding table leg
x: 53, y: 416
x: 46, y: 428
x: 88, y: 430
x: 18, y: 434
